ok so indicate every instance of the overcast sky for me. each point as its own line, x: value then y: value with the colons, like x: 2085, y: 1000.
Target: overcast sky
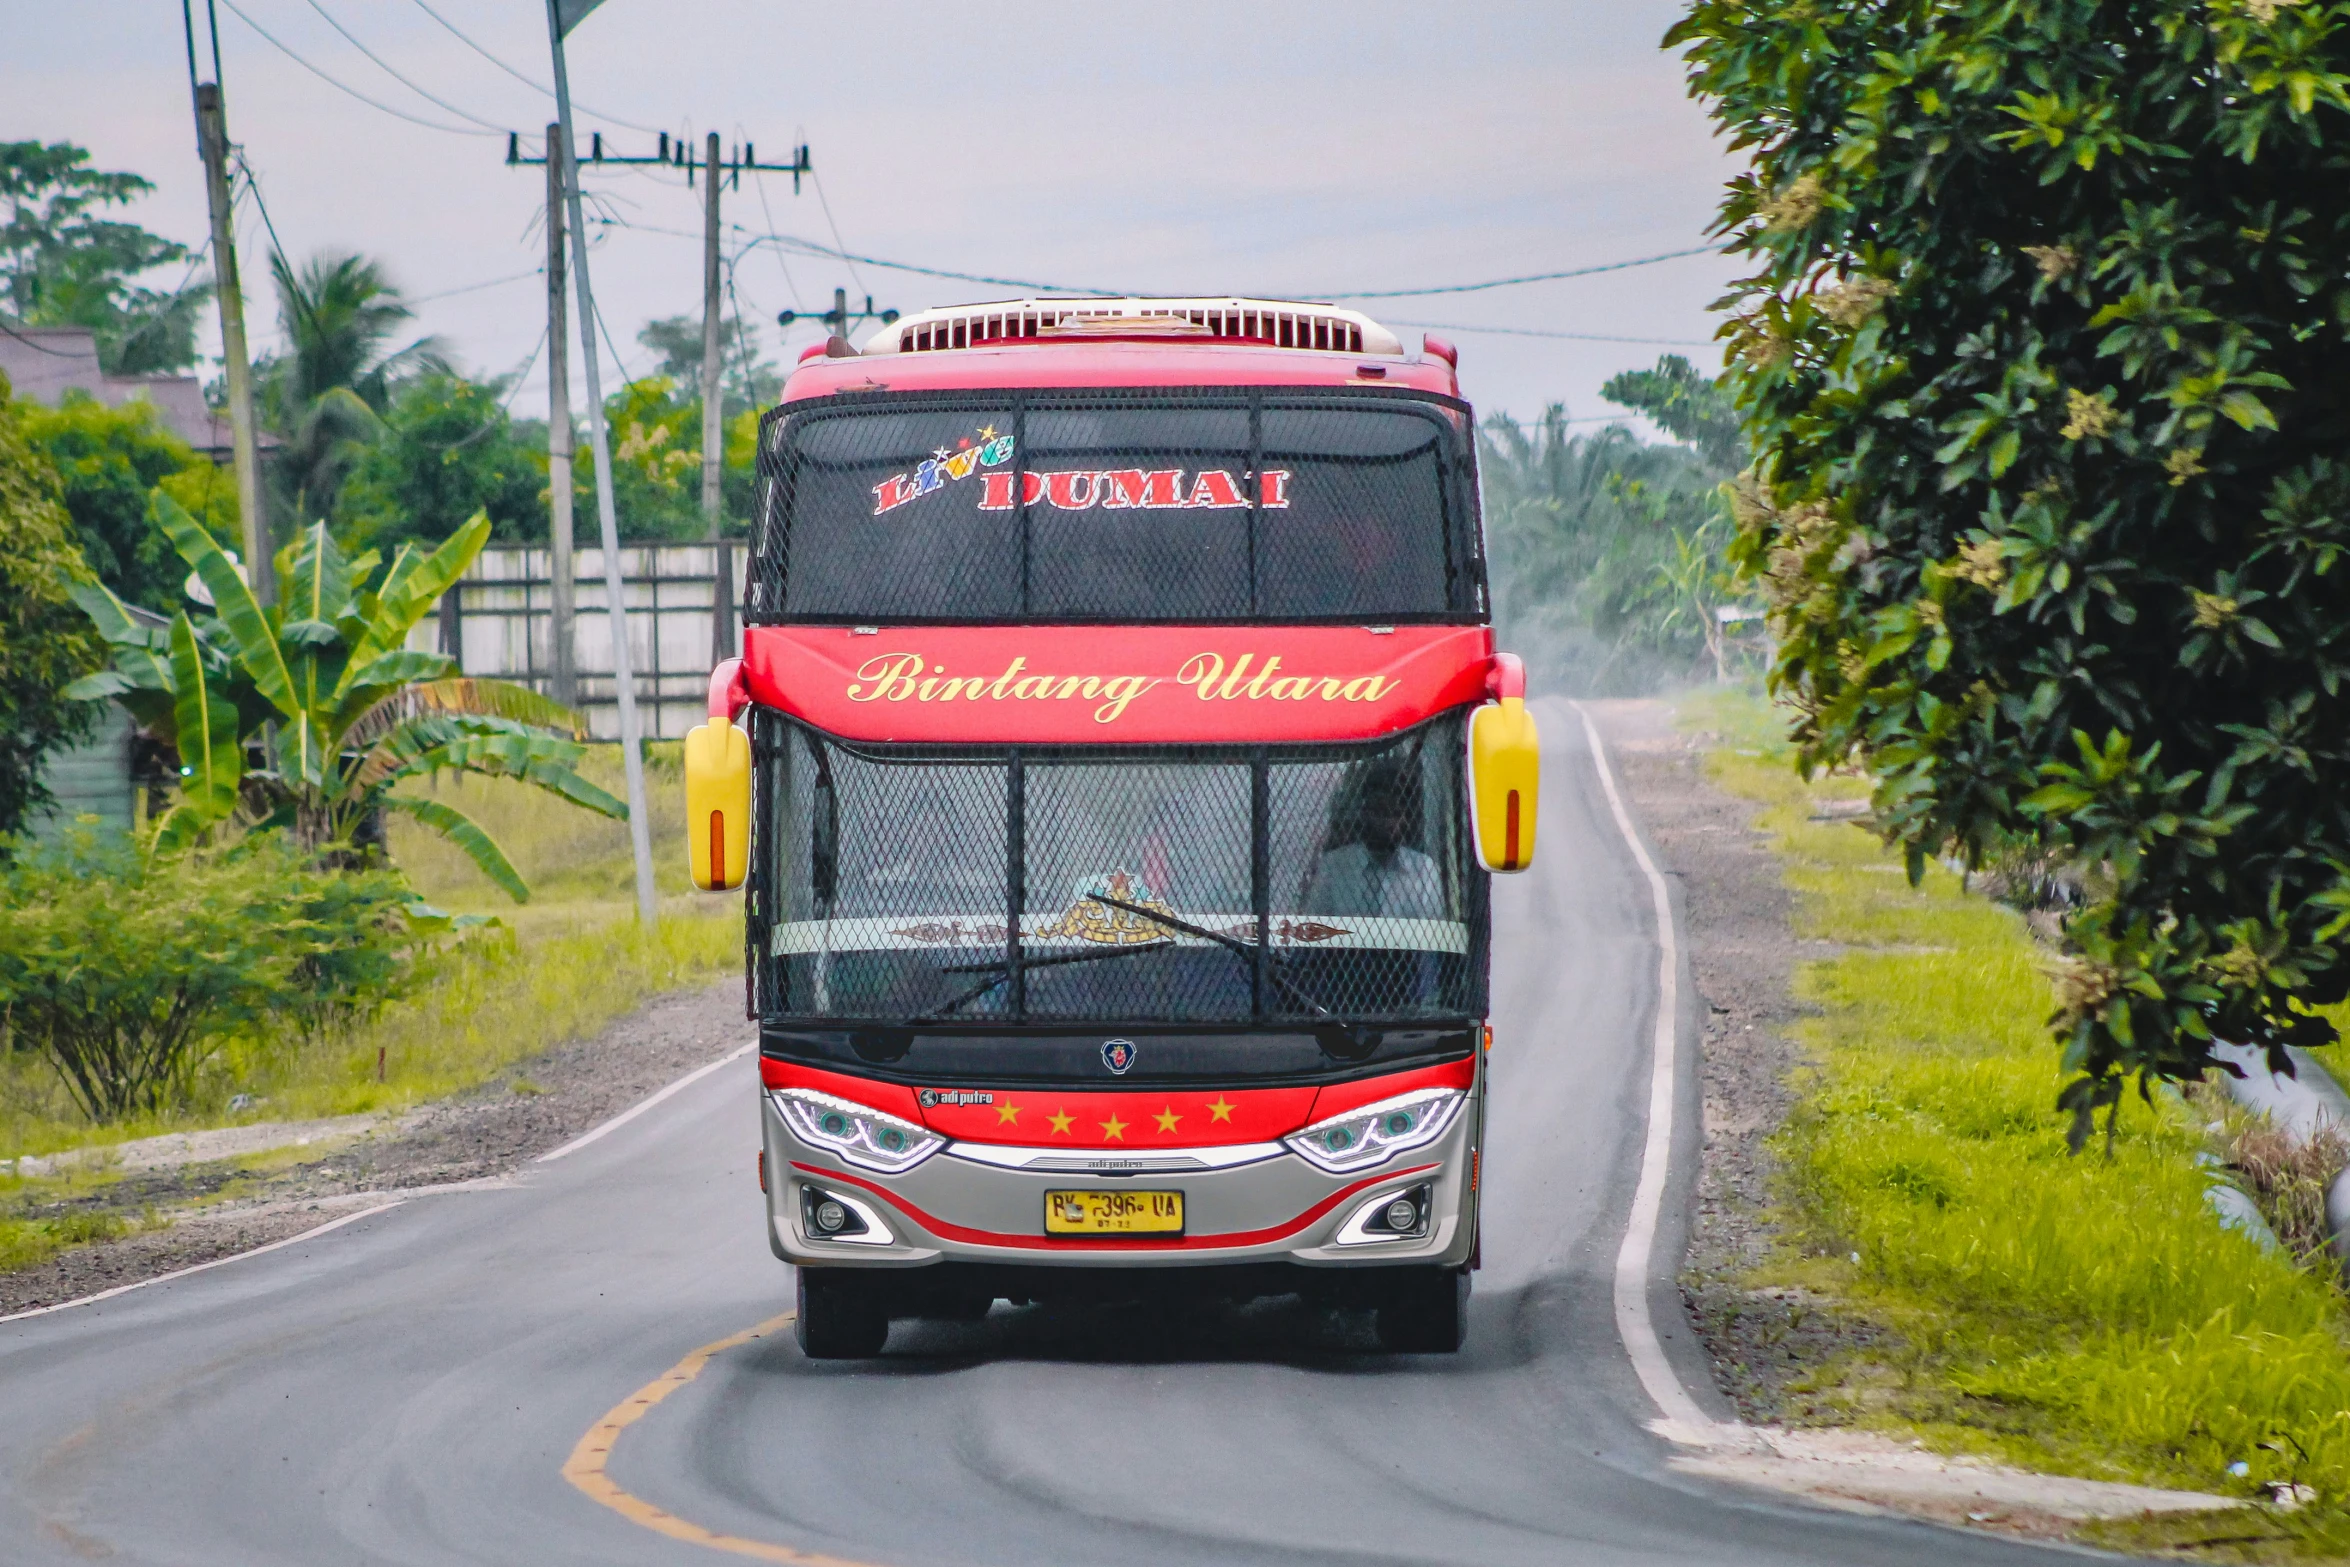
x: 1291, y: 148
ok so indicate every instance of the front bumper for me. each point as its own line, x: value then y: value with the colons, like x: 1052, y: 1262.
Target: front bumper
x: 984, y: 1203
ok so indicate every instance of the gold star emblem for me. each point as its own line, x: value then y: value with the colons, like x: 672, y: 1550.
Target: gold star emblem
x: 1167, y: 1119
x: 1062, y: 1121
x: 1114, y: 1127
x: 987, y: 432
x: 1221, y: 1110
x: 1006, y: 1113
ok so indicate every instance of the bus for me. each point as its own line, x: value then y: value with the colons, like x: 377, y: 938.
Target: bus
x: 1115, y: 769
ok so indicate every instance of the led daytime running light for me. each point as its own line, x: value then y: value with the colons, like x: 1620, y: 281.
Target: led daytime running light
x: 1371, y: 1134
x: 859, y: 1134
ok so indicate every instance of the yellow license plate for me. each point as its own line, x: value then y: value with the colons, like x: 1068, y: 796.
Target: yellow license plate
x: 1113, y: 1213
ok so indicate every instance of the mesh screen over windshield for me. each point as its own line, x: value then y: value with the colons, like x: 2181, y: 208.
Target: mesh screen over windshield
x: 991, y: 886
x: 1117, y: 506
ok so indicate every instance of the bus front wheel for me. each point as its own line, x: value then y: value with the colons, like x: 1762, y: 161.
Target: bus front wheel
x: 1424, y: 1312
x: 839, y: 1318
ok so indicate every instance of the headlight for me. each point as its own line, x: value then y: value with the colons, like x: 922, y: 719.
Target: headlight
x: 1365, y: 1137
x: 862, y: 1136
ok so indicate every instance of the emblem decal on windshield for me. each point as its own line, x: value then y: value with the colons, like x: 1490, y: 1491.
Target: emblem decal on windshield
x: 1089, y: 920
x: 1118, y: 1055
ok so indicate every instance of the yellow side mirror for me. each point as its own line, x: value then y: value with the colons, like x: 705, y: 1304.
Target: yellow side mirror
x: 1505, y: 775
x: 717, y: 805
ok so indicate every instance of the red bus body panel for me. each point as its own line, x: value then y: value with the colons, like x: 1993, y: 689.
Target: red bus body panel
x: 1090, y: 685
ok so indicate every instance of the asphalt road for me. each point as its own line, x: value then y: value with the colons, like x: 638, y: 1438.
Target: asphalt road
x: 408, y: 1388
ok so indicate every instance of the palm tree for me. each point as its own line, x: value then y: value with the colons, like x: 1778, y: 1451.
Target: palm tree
x: 322, y: 690
x: 326, y: 395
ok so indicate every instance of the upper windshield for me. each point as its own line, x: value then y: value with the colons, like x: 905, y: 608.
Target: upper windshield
x: 1327, y: 883
x: 1160, y: 506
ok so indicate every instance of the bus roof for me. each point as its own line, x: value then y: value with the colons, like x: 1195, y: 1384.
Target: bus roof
x: 1127, y: 342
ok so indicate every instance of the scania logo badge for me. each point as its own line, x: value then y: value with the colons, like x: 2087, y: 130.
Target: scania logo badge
x: 1118, y: 1055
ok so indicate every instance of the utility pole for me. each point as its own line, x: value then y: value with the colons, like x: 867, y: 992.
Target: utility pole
x: 712, y: 165
x: 840, y: 315
x: 559, y: 526
x: 640, y: 836
x: 713, y: 431
x: 212, y: 144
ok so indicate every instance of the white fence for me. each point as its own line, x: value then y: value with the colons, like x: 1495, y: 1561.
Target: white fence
x: 498, y: 622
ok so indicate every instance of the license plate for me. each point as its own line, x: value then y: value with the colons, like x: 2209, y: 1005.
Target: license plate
x: 1113, y: 1213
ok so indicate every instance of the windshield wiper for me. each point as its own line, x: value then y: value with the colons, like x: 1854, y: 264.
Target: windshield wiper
x: 1001, y: 969
x: 1275, y: 964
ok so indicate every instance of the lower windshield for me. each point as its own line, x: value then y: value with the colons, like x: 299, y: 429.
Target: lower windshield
x: 986, y: 887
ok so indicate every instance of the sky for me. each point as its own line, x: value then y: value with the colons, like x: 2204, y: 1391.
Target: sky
x: 1282, y: 148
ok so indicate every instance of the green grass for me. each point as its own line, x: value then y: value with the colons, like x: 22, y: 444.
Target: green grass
x: 559, y: 968
x: 2082, y: 1315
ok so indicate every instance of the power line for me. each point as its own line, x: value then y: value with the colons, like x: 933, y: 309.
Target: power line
x: 344, y: 87
x: 395, y: 75
x: 446, y: 293
x: 841, y: 244
x: 513, y: 385
x: 793, y: 288
x: 38, y: 348
x: 1579, y: 337
x: 1531, y: 277
x: 525, y: 80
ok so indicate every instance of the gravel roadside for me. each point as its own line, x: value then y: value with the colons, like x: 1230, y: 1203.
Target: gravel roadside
x: 1743, y: 953
x: 533, y: 1106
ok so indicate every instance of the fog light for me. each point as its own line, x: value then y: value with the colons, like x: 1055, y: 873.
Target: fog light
x: 829, y: 1218
x: 1401, y: 1214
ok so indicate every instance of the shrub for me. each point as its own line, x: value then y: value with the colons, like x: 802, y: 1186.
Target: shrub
x: 126, y: 968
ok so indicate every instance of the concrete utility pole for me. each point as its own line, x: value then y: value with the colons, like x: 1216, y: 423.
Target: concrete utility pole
x: 713, y: 429
x: 680, y: 155
x: 212, y: 143
x: 559, y: 536
x: 640, y: 835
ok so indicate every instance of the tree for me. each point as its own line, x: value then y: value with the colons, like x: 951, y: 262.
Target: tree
x: 106, y: 461
x: 323, y: 688
x: 44, y: 642
x: 2042, y: 359
x: 62, y: 265
x: 327, y: 394
x: 1692, y: 408
x: 448, y: 450
x: 748, y: 380
x: 1607, y: 551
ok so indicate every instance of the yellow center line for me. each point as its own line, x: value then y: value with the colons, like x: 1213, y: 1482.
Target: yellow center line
x: 585, y: 1467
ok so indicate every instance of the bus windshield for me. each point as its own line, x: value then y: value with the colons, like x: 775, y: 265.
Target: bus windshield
x: 1131, y: 507
x: 994, y: 886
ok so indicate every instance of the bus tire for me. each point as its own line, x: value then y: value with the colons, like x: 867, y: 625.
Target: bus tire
x: 839, y: 1319
x: 1425, y: 1312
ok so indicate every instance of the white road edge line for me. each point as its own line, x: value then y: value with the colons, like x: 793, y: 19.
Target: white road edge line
x: 237, y: 1256
x: 642, y: 1105
x: 1683, y: 1420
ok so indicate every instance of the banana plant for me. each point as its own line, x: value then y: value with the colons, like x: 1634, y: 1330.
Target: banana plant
x: 307, y: 715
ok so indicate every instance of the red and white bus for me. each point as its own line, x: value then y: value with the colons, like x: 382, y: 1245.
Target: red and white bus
x: 1116, y: 765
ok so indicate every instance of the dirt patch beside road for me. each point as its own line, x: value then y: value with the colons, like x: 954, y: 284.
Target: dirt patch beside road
x: 534, y: 1106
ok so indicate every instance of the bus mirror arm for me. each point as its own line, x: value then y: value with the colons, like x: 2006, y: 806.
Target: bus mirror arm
x: 1505, y: 677
x: 730, y: 692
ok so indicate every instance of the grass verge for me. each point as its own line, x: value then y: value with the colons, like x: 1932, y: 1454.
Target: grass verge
x: 2081, y: 1315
